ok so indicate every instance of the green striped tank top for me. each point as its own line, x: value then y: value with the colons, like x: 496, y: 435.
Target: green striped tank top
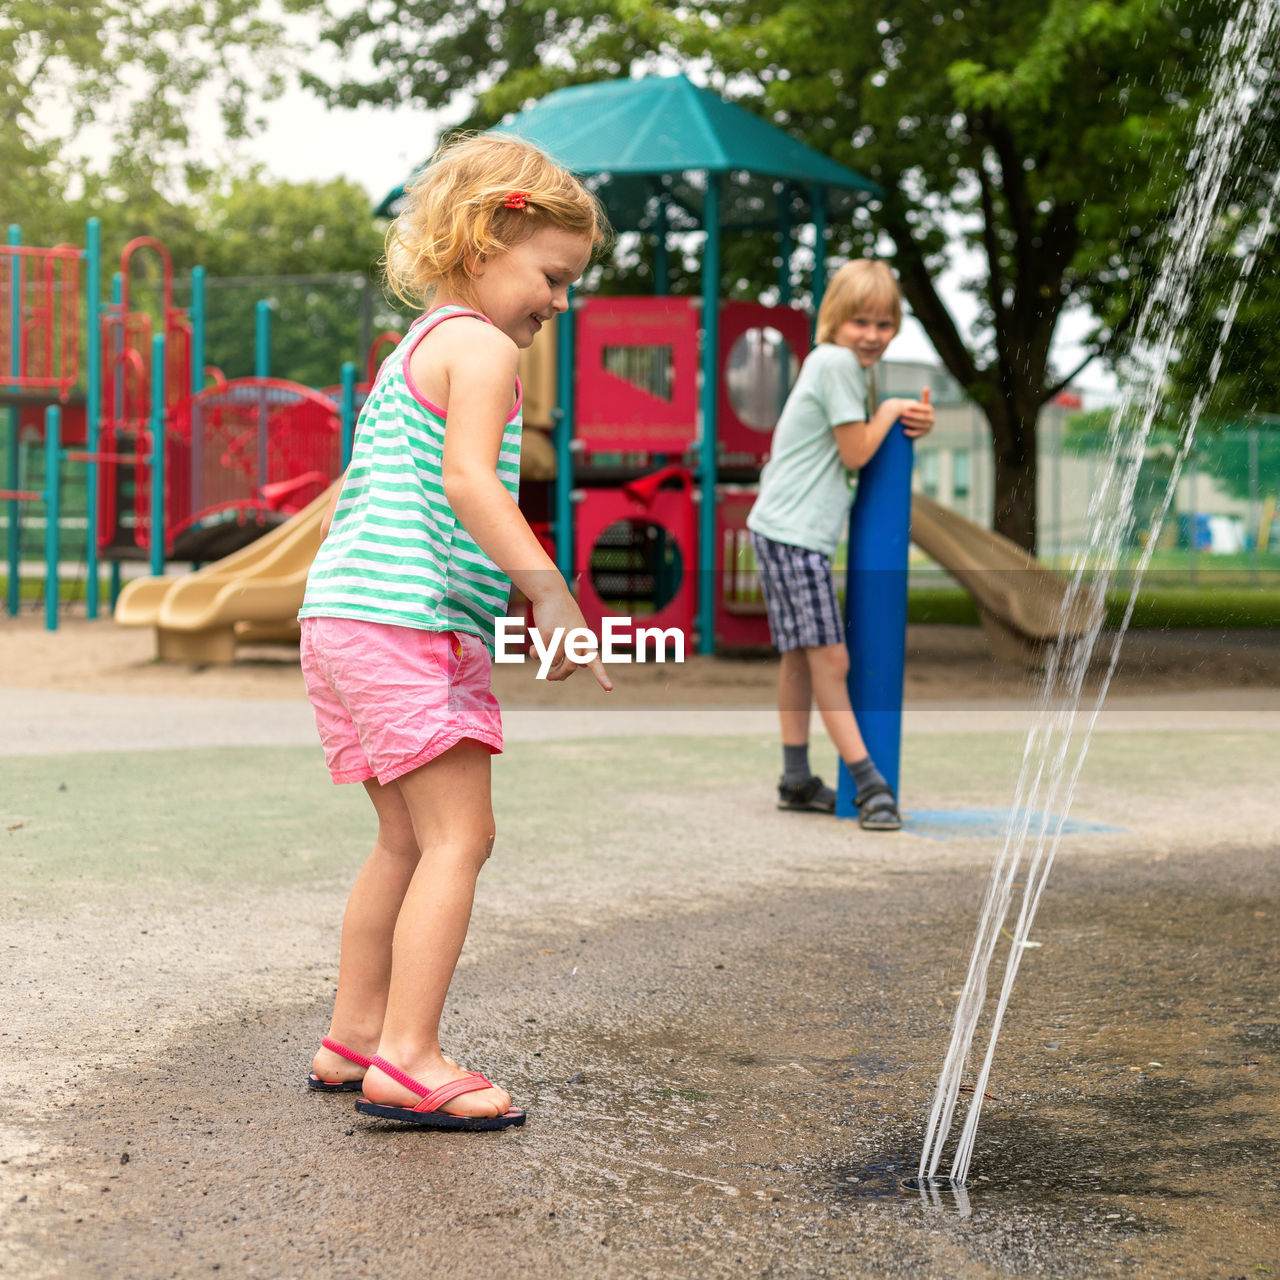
x: 395, y: 552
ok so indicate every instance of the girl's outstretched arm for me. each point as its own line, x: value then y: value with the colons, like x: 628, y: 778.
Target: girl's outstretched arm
x: 480, y: 363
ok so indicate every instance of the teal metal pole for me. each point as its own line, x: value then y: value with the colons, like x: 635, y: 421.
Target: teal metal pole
x: 706, y: 556
x: 348, y: 411
x: 157, y: 456
x: 52, y: 512
x: 262, y: 339
x: 819, y: 248
x: 117, y: 406
x: 92, y: 407
x: 13, y: 529
x: 197, y: 330
x: 875, y: 608
x: 784, y: 247
x: 661, y: 259
x: 563, y: 433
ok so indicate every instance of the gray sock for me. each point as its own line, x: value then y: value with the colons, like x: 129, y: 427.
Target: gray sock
x: 795, y: 764
x: 865, y: 775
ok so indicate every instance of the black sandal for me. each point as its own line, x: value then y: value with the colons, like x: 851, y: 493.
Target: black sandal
x: 881, y: 817
x: 809, y: 796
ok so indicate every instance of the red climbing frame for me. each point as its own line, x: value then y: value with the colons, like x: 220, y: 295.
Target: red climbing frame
x: 41, y: 287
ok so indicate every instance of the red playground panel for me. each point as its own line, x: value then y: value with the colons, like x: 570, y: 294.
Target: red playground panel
x: 637, y: 375
x: 757, y: 368
x: 646, y: 561
x: 41, y: 289
x: 740, y: 621
x: 249, y: 452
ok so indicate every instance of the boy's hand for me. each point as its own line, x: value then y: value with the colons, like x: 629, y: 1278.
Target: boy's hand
x: 917, y: 415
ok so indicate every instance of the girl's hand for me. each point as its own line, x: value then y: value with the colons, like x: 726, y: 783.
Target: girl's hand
x: 560, y: 610
x: 917, y: 415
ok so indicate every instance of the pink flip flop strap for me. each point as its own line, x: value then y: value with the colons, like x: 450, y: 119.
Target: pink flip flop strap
x: 343, y: 1052
x: 432, y: 1099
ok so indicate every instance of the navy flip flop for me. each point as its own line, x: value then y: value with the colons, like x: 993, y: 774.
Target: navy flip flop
x: 317, y: 1085
x: 427, y: 1113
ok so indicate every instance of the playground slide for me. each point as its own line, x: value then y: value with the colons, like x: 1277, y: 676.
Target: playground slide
x: 252, y: 595
x: 1019, y: 601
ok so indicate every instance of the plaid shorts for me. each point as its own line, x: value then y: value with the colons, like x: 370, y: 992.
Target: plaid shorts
x: 799, y: 594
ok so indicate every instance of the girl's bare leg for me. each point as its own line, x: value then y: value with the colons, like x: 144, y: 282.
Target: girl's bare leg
x: 364, y: 966
x: 448, y: 803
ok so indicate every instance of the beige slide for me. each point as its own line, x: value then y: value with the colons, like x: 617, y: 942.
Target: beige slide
x: 249, y: 597
x: 1021, y: 603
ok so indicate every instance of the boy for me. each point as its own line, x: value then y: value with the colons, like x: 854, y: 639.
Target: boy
x: 827, y: 430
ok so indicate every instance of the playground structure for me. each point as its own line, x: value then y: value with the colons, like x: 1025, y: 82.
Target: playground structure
x: 251, y: 596
x: 660, y: 421
x: 181, y: 464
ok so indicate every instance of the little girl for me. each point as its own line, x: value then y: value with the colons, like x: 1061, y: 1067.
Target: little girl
x: 424, y: 542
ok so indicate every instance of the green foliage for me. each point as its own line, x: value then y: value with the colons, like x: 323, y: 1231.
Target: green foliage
x: 131, y: 70
x: 1242, y: 456
x: 311, y: 251
x: 1159, y: 608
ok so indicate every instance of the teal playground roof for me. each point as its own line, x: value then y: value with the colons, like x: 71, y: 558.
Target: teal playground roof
x: 651, y: 142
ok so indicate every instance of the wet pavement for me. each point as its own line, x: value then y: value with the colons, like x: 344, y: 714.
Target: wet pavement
x: 737, y: 1092
x: 726, y: 1025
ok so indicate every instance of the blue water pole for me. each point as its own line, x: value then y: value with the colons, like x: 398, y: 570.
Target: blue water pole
x: 348, y: 411
x: 93, y: 406
x: 52, y: 512
x: 706, y: 556
x: 876, y: 607
x: 262, y: 339
x: 157, y: 456
x: 563, y: 437
x: 13, y: 530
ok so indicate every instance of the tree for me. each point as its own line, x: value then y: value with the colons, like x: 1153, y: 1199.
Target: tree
x: 133, y: 70
x: 310, y: 250
x: 1049, y: 139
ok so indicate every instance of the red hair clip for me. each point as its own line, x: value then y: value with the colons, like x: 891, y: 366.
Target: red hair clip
x: 516, y: 200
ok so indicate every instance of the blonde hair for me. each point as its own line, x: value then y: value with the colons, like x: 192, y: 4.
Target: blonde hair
x: 858, y: 285
x: 458, y: 210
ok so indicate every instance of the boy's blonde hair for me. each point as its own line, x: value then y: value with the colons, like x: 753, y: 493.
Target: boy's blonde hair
x: 858, y: 286
x: 457, y: 211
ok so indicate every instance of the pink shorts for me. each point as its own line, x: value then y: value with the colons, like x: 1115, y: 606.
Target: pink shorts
x: 388, y: 699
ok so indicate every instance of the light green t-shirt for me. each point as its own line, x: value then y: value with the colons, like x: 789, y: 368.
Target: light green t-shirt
x: 804, y: 488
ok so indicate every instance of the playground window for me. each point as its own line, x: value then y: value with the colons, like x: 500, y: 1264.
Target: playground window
x: 929, y: 470
x: 646, y: 367
x: 961, y: 481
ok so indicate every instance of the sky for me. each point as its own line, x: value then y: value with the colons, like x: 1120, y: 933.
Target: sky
x: 379, y: 146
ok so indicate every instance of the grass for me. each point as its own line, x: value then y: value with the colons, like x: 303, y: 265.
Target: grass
x: 1217, y: 606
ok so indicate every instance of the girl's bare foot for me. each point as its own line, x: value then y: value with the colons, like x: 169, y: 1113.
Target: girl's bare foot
x: 333, y: 1068
x: 432, y: 1074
